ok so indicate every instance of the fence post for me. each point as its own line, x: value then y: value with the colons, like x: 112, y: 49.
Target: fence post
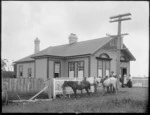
x: 49, y: 90
x: 54, y: 96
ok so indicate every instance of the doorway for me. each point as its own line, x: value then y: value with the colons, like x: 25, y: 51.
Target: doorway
x: 123, y: 72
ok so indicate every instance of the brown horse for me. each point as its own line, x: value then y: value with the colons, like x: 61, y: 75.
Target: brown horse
x: 75, y: 85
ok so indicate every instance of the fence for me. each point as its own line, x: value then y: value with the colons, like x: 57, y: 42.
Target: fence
x: 24, y: 84
x: 57, y: 86
x: 140, y: 82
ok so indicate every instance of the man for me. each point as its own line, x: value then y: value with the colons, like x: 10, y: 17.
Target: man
x: 112, y: 74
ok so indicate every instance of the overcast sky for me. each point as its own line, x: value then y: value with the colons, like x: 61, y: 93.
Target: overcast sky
x: 52, y: 22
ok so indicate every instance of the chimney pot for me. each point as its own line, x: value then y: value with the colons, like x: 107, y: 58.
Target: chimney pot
x: 36, y: 45
x: 72, y: 38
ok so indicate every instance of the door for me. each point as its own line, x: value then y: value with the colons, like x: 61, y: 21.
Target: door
x: 123, y: 72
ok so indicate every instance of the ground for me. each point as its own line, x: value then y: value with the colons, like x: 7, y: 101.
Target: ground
x: 131, y: 100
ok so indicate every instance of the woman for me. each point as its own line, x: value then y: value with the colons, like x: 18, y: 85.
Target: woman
x: 129, y: 81
x: 125, y: 79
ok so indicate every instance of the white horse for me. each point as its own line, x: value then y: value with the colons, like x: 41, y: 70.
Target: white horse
x: 109, y: 83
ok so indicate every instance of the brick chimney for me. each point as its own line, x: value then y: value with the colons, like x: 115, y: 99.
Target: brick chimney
x: 72, y: 38
x: 36, y: 45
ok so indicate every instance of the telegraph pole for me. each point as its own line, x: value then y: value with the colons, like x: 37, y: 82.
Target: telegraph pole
x: 119, y: 19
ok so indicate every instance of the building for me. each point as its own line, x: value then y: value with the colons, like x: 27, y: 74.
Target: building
x: 91, y: 58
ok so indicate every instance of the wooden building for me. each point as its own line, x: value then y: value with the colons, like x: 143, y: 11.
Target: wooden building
x: 91, y: 58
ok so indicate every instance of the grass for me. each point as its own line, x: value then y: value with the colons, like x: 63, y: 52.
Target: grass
x: 13, y: 95
x: 131, y: 100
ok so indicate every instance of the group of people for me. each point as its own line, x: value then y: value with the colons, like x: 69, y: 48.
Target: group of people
x: 125, y: 81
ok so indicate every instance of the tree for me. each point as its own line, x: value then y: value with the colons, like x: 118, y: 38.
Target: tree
x: 3, y: 64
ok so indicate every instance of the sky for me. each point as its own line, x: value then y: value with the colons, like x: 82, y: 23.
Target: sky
x: 53, y: 21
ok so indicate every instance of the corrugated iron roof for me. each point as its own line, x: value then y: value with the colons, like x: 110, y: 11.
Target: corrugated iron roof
x: 25, y: 59
x: 79, y: 48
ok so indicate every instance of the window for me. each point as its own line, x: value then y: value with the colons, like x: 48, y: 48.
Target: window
x: 29, y: 72
x: 99, y: 68
x: 103, y: 65
x: 20, y: 70
x: 76, y: 69
x: 80, y: 66
x: 71, y: 69
x: 107, y: 67
x: 80, y: 69
x: 72, y: 66
x: 57, y: 69
x: 104, y: 55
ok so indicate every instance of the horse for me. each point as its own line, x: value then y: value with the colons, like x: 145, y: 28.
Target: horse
x: 76, y: 85
x: 4, y: 93
x: 109, y: 83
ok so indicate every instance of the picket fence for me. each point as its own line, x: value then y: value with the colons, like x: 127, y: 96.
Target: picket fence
x: 140, y: 82
x: 24, y: 84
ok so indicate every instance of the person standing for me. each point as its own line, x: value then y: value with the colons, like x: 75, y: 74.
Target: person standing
x: 112, y: 74
x: 129, y: 81
x: 125, y: 80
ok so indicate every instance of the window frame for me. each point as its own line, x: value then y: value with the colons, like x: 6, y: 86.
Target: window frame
x: 104, y: 58
x: 73, y: 62
x: 59, y: 75
x: 30, y: 72
x: 20, y: 71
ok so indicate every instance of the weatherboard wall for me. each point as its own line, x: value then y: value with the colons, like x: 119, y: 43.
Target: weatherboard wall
x: 112, y: 54
x: 25, y: 69
x: 41, y: 68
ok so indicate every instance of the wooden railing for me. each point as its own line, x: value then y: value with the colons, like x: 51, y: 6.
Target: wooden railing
x: 24, y: 84
x: 140, y: 82
x: 57, y: 86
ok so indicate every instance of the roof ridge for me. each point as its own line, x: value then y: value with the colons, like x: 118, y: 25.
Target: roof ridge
x: 86, y: 46
x: 81, y: 41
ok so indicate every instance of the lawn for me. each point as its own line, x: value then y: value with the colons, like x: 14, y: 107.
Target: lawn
x: 131, y: 100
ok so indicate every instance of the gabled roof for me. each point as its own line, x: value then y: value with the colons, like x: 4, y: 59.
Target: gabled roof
x: 79, y: 48
x: 25, y: 59
x: 66, y: 50
x: 128, y: 53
